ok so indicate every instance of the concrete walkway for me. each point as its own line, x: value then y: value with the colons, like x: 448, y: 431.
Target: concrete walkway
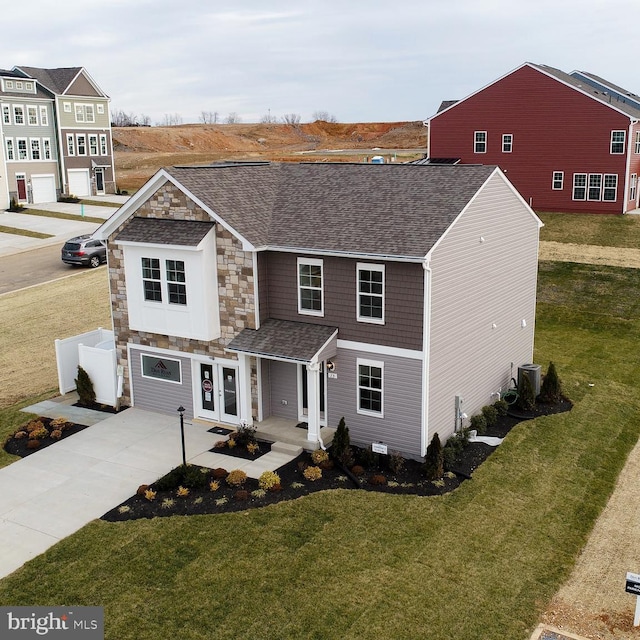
x: 54, y: 492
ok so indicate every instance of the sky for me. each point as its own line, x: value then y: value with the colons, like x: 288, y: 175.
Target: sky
x: 357, y: 60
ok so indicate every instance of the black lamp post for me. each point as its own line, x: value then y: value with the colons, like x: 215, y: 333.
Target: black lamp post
x: 181, y: 411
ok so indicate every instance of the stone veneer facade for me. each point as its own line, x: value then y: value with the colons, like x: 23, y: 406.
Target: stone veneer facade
x: 235, y: 288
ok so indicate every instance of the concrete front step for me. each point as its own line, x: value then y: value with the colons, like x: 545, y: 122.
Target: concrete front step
x: 286, y: 448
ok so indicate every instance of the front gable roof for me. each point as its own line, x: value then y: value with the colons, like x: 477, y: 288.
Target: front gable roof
x: 394, y: 211
x: 186, y: 233
x: 60, y: 80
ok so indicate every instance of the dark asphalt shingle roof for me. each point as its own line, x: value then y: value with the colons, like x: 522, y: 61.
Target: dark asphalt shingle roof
x: 298, y: 341
x: 56, y: 80
x: 382, y: 210
x: 186, y: 233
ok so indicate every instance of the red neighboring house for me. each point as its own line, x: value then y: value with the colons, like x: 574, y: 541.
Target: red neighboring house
x: 565, y: 144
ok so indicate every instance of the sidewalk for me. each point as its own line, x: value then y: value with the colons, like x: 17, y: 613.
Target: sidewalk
x: 60, y: 230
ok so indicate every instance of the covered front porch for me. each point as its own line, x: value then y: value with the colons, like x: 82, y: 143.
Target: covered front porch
x: 276, y: 429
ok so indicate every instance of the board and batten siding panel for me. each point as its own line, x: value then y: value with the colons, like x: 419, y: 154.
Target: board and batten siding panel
x: 400, y: 427
x: 483, y: 273
x: 283, y: 379
x: 159, y: 395
x: 403, y: 299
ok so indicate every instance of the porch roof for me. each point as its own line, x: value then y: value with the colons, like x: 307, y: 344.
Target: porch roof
x: 160, y: 231
x: 301, y: 342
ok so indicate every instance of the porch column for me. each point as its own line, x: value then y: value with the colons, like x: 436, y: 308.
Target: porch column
x: 244, y: 387
x: 313, y: 400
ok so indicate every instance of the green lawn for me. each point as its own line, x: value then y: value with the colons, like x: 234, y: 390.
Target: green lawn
x: 477, y: 564
x: 597, y: 229
x: 60, y: 215
x: 24, y: 232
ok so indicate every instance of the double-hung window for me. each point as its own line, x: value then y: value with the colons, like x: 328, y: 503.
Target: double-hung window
x: 637, y: 144
x: 10, y: 150
x: 595, y: 186
x: 370, y: 387
x: 103, y: 144
x: 22, y: 148
x: 579, y: 186
x: 633, y: 183
x: 18, y: 114
x: 71, y: 145
x: 46, y: 148
x: 557, y: 180
x: 35, y: 148
x: 507, y: 143
x: 79, y: 113
x: 480, y: 142
x: 6, y: 114
x: 370, y: 283
x: 93, y: 145
x: 82, y: 144
x: 617, y: 141
x: 176, y: 288
x: 610, y: 187
x: 89, y: 113
x: 44, y: 116
x: 310, y: 287
x: 32, y: 115
x: 151, y: 281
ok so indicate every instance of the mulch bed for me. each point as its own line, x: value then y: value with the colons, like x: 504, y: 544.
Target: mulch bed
x: 20, y: 446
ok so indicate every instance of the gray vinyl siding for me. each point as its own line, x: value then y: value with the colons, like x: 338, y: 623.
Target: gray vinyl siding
x: 484, y: 273
x: 158, y: 395
x: 403, y: 299
x: 283, y: 377
x: 400, y: 428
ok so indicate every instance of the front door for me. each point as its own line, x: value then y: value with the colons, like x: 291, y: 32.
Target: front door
x: 217, y: 392
x: 99, y: 181
x: 21, y: 181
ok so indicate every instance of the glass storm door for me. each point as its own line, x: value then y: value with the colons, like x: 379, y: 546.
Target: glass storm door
x: 208, y: 392
x: 229, y: 387
x: 217, y: 393
x: 99, y: 181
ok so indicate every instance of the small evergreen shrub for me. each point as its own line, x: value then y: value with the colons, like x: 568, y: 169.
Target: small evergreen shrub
x: 319, y: 456
x: 56, y: 434
x: 357, y: 470
x: 141, y: 489
x: 312, y: 473
x: 84, y: 387
x: 433, y: 459
x: 396, y: 462
x: 18, y: 435
x: 34, y: 425
x: 186, y: 476
x: 377, y: 480
x: 33, y: 444
x: 551, y: 387
x: 478, y: 423
x: 241, y: 495
x: 454, y: 446
x: 236, y: 478
x: 368, y: 458
x: 490, y: 414
x: 219, y: 473
x: 268, y: 480
x: 501, y: 407
x: 245, y: 435
x: 60, y: 423
x: 341, y: 444
x: 526, y: 394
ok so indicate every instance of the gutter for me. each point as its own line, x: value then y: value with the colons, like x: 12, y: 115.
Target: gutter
x: 426, y: 346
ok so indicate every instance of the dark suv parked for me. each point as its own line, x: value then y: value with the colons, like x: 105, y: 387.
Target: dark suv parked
x: 84, y: 250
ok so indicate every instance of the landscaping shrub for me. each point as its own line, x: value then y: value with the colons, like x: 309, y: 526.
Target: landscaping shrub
x: 84, y: 387
x: 368, y: 458
x: 490, y: 414
x: 141, y: 489
x: 478, y: 423
x: 33, y: 444
x: 268, y: 480
x: 501, y: 407
x: 236, y: 478
x: 526, y: 394
x: 245, y: 435
x: 454, y: 446
x: 341, y: 444
x: 319, y: 456
x: 34, y: 425
x: 312, y: 473
x: 551, y: 387
x: 56, y: 434
x: 434, y: 460
x: 377, y: 480
x: 241, y: 495
x: 182, y: 492
x: 214, y: 485
x: 186, y: 476
x: 396, y: 462
x: 219, y: 473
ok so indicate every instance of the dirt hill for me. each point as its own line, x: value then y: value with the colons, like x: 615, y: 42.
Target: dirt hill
x: 140, y: 151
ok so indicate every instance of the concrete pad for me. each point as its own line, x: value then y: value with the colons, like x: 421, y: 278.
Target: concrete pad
x: 20, y: 544
x: 271, y: 461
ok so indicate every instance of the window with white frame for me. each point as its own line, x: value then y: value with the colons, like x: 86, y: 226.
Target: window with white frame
x: 595, y: 186
x: 310, y: 287
x: 19, y: 85
x: 370, y: 283
x: 46, y: 148
x: 176, y: 288
x: 35, y: 148
x: 633, y: 183
x: 79, y: 113
x: 579, y: 186
x: 93, y: 145
x: 557, y: 181
x: 610, y: 187
x: 507, y: 143
x: 81, y: 141
x: 44, y: 116
x: 18, y: 114
x: 71, y: 145
x: 370, y: 387
x: 10, y: 150
x: 9, y: 84
x: 151, y: 279
x: 480, y: 142
x: 89, y: 113
x: 103, y: 144
x: 21, y: 144
x: 28, y: 86
x: 66, y: 106
x: 617, y: 141
x: 100, y: 109
x: 32, y: 115
x: 161, y: 368
x: 637, y: 145
x: 6, y: 114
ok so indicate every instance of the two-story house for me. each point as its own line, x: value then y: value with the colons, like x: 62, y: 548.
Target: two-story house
x: 29, y: 168
x: 567, y: 142
x: 399, y: 297
x: 83, y: 123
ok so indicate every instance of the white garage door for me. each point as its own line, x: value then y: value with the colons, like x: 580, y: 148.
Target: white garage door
x: 43, y: 188
x: 79, y: 182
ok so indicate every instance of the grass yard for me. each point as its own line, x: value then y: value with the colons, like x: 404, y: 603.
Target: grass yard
x: 594, y: 229
x: 480, y: 564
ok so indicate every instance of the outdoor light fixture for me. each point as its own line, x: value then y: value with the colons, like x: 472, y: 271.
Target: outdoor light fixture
x: 181, y: 411
x: 331, y: 365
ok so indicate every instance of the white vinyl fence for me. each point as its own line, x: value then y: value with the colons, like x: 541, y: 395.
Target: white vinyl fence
x: 95, y: 352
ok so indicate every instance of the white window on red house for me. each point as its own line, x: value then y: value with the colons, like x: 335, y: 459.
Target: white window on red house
x: 595, y: 186
x: 610, y: 191
x: 637, y: 145
x: 617, y: 141
x: 579, y: 186
x: 632, y: 186
x: 557, y: 180
x: 480, y: 142
x: 507, y: 143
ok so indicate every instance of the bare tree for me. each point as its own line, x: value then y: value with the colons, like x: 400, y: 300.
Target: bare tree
x: 121, y: 119
x: 145, y: 121
x: 209, y: 117
x: 291, y: 118
x: 268, y: 118
x: 233, y: 118
x: 325, y: 116
x: 171, y: 119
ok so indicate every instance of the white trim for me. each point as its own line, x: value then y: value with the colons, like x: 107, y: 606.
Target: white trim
x: 161, y: 350
x: 476, y: 142
x: 156, y: 245
x: 380, y: 349
x: 379, y: 364
x: 256, y: 298
x: 426, y: 351
x: 368, y: 266
x: 624, y: 142
x: 510, y: 150
x: 314, y: 262
x: 553, y: 180
x: 24, y: 115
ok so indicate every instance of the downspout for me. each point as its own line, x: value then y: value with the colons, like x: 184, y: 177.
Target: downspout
x: 426, y: 344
